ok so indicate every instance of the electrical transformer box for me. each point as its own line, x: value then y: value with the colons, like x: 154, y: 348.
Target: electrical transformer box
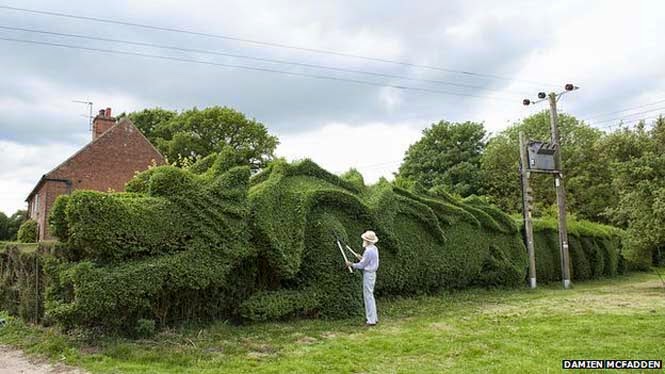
x: 541, y: 155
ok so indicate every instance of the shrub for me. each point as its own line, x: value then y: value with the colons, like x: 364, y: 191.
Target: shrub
x: 163, y: 252
x: 110, y: 227
x: 594, y: 250
x: 426, y: 243
x: 209, y: 243
x: 499, y: 270
x: 23, y: 280
x: 273, y: 305
x: 353, y: 176
x: 150, y: 221
x: 27, y: 233
x: 145, y: 328
x: 57, y: 218
x: 203, y: 164
x: 188, y: 285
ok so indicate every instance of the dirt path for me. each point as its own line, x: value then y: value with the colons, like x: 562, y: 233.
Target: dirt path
x: 15, y: 362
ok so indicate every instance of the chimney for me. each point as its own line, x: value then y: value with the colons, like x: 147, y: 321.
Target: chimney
x: 102, y: 122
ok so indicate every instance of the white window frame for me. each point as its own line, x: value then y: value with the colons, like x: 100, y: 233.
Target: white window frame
x: 35, y: 205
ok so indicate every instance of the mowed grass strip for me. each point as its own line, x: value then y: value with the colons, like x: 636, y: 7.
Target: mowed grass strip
x: 467, y: 331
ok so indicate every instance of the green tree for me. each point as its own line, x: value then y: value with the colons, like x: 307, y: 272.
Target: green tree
x: 447, y: 155
x: 149, y: 120
x: 587, y: 179
x: 14, y: 222
x: 614, y: 150
x: 4, y: 226
x: 639, y: 179
x: 195, y: 133
x: 658, y: 135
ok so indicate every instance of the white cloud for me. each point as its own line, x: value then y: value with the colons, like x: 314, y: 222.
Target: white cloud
x: 51, y: 112
x: 21, y: 166
x: 609, y: 48
x: 391, y: 99
x: 375, y: 149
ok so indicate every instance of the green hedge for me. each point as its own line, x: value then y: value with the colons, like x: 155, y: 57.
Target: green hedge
x: 189, y: 285
x: 354, y: 177
x: 57, y: 218
x: 150, y: 221
x: 168, y: 250
x: 27, y: 232
x: 208, y: 242
x: 594, y: 250
x: 427, y: 243
x: 23, y: 279
x: 273, y: 305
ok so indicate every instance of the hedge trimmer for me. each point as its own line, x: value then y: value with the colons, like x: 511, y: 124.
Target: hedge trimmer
x: 354, y: 253
x: 339, y: 245
x: 358, y: 256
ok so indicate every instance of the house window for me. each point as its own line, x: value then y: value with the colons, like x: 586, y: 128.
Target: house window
x: 35, y: 206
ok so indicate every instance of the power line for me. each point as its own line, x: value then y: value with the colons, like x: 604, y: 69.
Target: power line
x: 630, y: 122
x: 209, y: 52
x: 268, y: 70
x: 630, y: 115
x: 270, y: 44
x: 626, y: 109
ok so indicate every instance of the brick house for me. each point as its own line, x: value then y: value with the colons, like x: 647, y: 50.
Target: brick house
x: 117, y: 151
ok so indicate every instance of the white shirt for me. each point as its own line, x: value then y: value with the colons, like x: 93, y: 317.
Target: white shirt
x: 370, y: 260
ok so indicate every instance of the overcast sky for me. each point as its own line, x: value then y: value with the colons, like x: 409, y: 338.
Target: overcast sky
x: 611, y: 49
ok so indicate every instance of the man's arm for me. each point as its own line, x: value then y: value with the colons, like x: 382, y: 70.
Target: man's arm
x: 364, y: 261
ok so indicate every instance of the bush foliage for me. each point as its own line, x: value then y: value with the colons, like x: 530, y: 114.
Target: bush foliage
x: 594, y: 250
x: 27, y: 233
x: 209, y: 243
x: 22, y: 279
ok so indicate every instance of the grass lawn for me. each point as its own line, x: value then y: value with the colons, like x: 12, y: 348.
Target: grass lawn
x: 468, y: 331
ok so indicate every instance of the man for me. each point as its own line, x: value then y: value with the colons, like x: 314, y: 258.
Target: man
x: 369, y: 264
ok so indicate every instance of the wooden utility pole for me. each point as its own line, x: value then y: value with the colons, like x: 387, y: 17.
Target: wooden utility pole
x: 526, y: 210
x: 560, y: 192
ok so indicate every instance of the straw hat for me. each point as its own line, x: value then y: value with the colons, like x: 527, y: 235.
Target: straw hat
x: 369, y: 236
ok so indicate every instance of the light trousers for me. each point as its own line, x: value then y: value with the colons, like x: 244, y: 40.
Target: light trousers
x: 369, y: 278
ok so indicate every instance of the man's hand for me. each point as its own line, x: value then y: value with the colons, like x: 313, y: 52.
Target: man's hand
x: 348, y: 264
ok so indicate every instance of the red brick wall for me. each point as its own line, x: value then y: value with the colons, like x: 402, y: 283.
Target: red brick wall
x: 47, y: 194
x: 106, y: 164
x: 53, y: 189
x: 37, y: 214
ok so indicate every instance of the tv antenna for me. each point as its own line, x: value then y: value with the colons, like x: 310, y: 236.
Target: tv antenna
x: 89, y: 115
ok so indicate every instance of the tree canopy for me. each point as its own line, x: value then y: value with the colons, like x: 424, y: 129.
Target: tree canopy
x: 447, y: 155
x: 614, y: 177
x: 4, y: 226
x: 149, y: 120
x: 196, y: 133
x: 9, y: 225
x: 586, y: 183
x: 638, y: 166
